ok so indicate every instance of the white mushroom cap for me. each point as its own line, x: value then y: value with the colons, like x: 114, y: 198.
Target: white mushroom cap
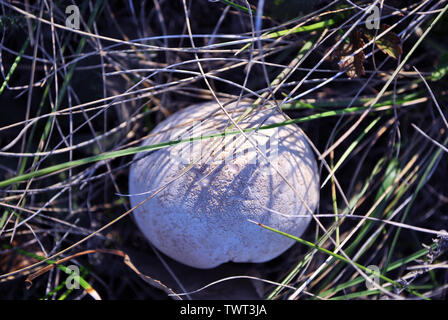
x: 201, y: 217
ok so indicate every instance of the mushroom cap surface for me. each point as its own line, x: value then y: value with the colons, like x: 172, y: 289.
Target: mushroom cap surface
x: 209, y: 188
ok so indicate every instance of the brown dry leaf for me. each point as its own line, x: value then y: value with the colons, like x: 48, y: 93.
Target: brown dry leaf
x: 390, y: 43
x: 353, y: 65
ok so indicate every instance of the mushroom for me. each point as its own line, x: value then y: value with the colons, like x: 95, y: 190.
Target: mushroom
x: 207, y: 190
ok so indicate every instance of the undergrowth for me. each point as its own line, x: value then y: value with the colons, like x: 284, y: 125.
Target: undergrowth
x: 76, y: 104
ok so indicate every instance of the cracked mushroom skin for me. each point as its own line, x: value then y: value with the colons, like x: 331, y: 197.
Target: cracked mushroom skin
x: 211, y: 187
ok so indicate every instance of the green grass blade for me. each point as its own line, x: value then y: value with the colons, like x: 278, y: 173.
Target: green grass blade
x: 340, y: 258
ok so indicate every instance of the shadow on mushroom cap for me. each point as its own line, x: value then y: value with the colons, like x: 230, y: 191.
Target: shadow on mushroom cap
x: 201, y: 218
